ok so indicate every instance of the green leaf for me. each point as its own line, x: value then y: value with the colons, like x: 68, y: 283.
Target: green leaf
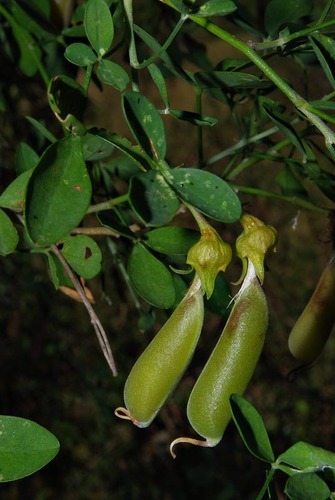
x: 33, y: 16
x: 26, y: 158
x: 308, y: 458
x: 123, y: 167
x: 216, y: 8
x: 159, y: 81
x: 324, y: 48
x: 278, y: 13
x: 207, y: 192
x: 173, y: 240
x: 152, y: 199
x: 134, y: 152
x: 230, y: 80
x: 56, y: 271
x: 59, y: 192
x: 284, y: 126
x: 99, y: 26
x: 25, y: 447
x: 169, y: 63
x: 112, y: 74
x: 30, y: 53
x: 145, y: 123
x: 96, y: 148
x: 193, y: 118
x: 306, y: 487
x: 108, y: 218
x: 251, y: 428
x: 67, y: 100
x: 41, y: 129
x: 289, y: 184
x: 150, y: 278
x: 14, y: 195
x: 80, y: 54
x: 83, y: 255
x: 9, y: 237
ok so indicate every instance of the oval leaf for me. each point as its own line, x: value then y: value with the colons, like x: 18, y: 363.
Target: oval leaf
x: 172, y: 240
x: 83, y: 255
x: 145, y: 123
x: 278, y: 13
x: 193, y: 118
x: 306, y: 457
x: 152, y: 199
x: 150, y: 278
x: 216, y: 8
x: 58, y: 194
x: 113, y: 74
x: 207, y: 192
x: 14, y: 195
x: 306, y: 487
x: 26, y: 158
x: 284, y: 126
x: 99, y: 26
x: 80, y: 54
x: 25, y: 447
x: 251, y: 428
x: 9, y: 237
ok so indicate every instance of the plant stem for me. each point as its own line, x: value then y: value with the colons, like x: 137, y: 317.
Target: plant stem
x: 95, y: 231
x: 281, y: 41
x: 134, y: 62
x: 87, y: 77
x: 299, y: 102
x: 107, y: 205
x: 198, y: 93
x: 98, y: 328
x: 294, y: 200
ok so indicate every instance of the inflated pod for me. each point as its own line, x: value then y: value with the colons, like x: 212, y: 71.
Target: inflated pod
x: 230, y: 366
x: 161, y: 365
x: 313, y: 327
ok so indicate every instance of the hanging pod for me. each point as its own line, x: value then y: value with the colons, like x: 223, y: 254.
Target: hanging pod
x: 230, y: 366
x: 161, y: 365
x: 313, y: 327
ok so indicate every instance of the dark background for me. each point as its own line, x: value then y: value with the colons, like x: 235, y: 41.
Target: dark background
x: 52, y: 371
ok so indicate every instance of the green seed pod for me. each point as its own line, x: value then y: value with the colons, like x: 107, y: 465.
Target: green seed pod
x: 313, y: 327
x: 161, y: 365
x: 230, y: 366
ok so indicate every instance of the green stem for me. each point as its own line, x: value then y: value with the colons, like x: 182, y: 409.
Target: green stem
x: 134, y: 62
x: 299, y: 102
x: 107, y: 205
x: 17, y: 27
x: 251, y: 161
x: 87, y: 77
x: 198, y: 92
x: 281, y: 41
x: 294, y: 200
x: 269, y: 477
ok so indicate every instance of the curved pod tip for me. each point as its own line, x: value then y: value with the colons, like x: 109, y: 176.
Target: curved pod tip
x: 196, y: 442
x: 125, y: 414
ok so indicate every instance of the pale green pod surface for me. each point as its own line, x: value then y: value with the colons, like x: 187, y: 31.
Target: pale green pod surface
x: 231, y: 364
x: 161, y: 365
x: 313, y: 327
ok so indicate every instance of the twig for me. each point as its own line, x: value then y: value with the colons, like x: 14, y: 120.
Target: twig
x: 99, y: 330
